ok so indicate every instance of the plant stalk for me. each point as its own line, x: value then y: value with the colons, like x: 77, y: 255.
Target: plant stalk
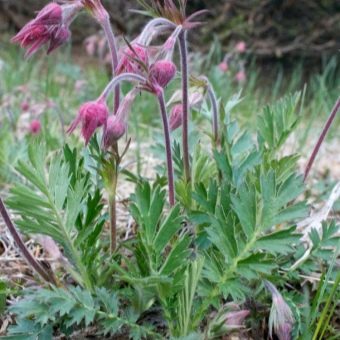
x: 112, y: 206
x: 117, y: 79
x: 49, y: 277
x: 106, y: 25
x: 185, y: 102
x: 214, y: 106
x: 321, y: 138
x: 167, y: 147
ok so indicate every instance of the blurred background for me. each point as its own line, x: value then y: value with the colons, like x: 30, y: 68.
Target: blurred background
x: 273, y: 29
x: 254, y: 52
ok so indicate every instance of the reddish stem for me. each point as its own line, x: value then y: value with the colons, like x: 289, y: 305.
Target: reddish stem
x: 114, y: 57
x: 21, y: 245
x: 322, y: 137
x: 167, y: 147
x: 185, y: 102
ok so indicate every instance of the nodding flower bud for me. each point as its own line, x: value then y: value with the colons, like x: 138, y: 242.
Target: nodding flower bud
x: 35, y: 127
x: 91, y: 115
x: 59, y: 36
x: 176, y: 117
x: 116, y: 125
x: 281, y: 318
x: 162, y: 72
x: 223, y: 66
x: 241, y: 47
x: 131, y: 59
x: 49, y: 26
x: 51, y: 14
x: 114, y: 130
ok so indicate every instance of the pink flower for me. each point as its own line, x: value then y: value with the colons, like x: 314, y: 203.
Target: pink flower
x: 241, y: 47
x: 91, y: 115
x: 240, y: 76
x: 35, y: 127
x: 114, y: 129
x: 116, y: 124
x: 223, y: 66
x: 51, y: 14
x: 49, y: 27
x: 175, y: 120
x: 132, y: 59
x: 162, y: 72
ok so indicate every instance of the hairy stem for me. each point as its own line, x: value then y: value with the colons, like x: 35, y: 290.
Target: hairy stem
x: 106, y: 25
x: 214, y: 106
x: 167, y: 147
x: 322, y: 137
x: 149, y: 31
x: 118, y: 79
x: 185, y: 101
x: 49, y: 277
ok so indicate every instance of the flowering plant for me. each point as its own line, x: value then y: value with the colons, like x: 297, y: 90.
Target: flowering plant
x: 207, y: 238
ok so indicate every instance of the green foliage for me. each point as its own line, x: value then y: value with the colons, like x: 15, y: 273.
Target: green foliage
x: 56, y: 202
x: 233, y: 226
x: 3, y: 296
x: 246, y: 220
x: 185, y: 298
x: 277, y: 122
x: 156, y: 232
x: 70, y: 309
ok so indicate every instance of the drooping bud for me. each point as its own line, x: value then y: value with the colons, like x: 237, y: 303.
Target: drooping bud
x: 223, y: 66
x: 115, y: 128
x: 281, y: 317
x: 226, y: 321
x: 50, y: 26
x: 116, y: 125
x: 61, y: 35
x: 51, y: 14
x: 241, y: 47
x: 91, y: 115
x: 162, y: 72
x: 176, y: 117
x: 35, y: 127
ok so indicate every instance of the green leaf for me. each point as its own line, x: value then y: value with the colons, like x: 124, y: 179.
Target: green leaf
x: 277, y: 122
x: 168, y: 228
x: 281, y: 241
x: 245, y: 207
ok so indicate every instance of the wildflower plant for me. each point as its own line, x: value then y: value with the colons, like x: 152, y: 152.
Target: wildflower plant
x: 205, y: 237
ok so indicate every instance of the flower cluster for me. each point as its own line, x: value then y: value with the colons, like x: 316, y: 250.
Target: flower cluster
x: 149, y: 68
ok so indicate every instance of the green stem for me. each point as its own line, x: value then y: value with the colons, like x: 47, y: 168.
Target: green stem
x: 113, y: 216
